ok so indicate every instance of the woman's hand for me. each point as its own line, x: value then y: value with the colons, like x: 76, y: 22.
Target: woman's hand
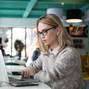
x: 28, y: 72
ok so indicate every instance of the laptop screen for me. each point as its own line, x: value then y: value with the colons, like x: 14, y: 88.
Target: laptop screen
x: 3, y: 72
x: 4, y: 78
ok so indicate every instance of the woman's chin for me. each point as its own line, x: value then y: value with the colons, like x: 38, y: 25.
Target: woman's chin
x: 46, y: 44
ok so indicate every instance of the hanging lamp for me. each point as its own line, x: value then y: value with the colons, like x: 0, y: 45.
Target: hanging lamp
x: 55, y: 11
x: 74, y: 16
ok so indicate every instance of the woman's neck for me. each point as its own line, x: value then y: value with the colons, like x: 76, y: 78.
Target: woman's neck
x: 53, y: 46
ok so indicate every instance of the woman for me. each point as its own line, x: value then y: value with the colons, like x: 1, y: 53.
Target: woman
x: 59, y: 65
x: 19, y: 46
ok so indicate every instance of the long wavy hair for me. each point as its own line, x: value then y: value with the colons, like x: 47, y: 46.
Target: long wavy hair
x: 63, y: 37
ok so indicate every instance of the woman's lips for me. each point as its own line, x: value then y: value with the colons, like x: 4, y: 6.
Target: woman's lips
x: 44, y: 40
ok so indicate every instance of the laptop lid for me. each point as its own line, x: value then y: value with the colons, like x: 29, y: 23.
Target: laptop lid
x: 4, y: 78
x: 3, y: 72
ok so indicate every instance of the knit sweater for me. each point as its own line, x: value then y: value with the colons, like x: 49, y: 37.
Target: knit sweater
x: 59, y: 69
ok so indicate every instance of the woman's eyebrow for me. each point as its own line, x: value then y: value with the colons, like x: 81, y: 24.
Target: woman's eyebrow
x: 44, y: 29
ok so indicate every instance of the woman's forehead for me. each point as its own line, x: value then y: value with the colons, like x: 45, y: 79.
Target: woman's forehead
x: 42, y: 26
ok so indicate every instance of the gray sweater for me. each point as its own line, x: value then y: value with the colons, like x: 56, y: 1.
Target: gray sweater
x: 59, y: 69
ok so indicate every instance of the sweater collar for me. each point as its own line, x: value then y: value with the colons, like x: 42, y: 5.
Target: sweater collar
x: 54, y: 51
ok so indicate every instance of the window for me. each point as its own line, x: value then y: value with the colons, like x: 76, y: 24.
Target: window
x: 24, y: 34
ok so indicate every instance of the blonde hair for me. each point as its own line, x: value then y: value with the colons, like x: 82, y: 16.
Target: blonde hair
x: 63, y: 37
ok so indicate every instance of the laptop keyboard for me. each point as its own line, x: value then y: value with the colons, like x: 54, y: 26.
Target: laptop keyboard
x: 23, y: 82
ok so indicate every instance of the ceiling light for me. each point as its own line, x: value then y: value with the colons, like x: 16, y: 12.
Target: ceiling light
x: 62, y: 3
x: 74, y: 16
x: 55, y: 11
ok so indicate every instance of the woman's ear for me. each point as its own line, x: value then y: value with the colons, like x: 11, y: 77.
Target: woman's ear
x: 57, y: 31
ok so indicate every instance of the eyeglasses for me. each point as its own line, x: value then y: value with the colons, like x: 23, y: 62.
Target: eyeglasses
x: 45, y: 31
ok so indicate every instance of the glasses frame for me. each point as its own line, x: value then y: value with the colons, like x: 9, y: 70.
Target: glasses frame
x: 45, y: 31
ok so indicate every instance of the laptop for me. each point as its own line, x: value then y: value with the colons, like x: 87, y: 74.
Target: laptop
x: 18, y: 82
x: 15, y: 81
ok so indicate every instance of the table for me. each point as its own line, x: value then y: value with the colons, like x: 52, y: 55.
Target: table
x: 40, y: 86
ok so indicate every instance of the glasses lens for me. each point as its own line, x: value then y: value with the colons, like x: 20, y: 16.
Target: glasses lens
x: 44, y: 32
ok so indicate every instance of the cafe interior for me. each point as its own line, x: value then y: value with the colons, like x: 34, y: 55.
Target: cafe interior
x: 18, y: 27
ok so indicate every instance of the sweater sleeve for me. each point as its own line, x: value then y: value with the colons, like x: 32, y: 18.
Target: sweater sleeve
x: 36, y: 65
x: 63, y: 66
